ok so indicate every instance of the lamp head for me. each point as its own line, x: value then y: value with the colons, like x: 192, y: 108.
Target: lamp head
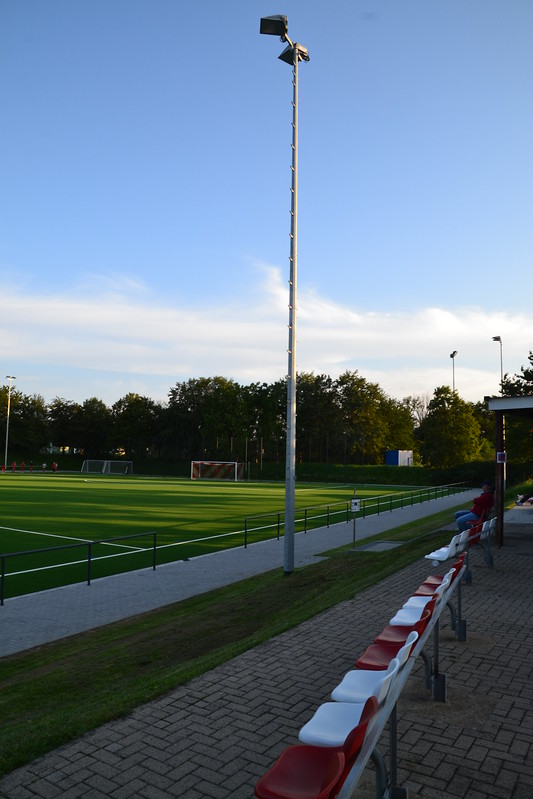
x: 453, y: 354
x: 276, y: 25
x: 288, y: 54
x: 497, y: 338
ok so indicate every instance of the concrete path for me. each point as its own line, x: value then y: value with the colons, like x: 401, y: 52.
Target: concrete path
x: 214, y: 737
x: 35, y: 619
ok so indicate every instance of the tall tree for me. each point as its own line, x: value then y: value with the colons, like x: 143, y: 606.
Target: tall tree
x: 317, y: 416
x: 450, y: 433
x: 365, y: 429
x: 93, y: 428
x: 136, y: 423
x: 62, y: 419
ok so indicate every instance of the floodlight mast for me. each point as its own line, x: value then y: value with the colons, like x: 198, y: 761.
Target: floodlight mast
x: 10, y: 378
x: 277, y: 25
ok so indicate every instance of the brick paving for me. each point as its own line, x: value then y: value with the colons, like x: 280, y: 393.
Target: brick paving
x: 214, y: 737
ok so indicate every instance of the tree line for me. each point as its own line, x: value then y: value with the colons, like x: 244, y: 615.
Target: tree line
x: 346, y: 420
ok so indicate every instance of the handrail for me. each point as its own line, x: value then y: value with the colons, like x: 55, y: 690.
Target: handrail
x: 369, y: 506
x: 86, y: 544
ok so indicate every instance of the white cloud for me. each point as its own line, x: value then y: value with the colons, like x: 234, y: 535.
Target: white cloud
x: 107, y: 340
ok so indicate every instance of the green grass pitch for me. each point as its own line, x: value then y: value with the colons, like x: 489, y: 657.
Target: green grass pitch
x: 189, y: 518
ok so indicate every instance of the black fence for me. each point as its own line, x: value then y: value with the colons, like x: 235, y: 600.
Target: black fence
x: 325, y: 515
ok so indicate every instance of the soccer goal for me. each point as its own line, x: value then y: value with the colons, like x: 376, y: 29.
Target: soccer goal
x: 107, y: 467
x: 217, y: 470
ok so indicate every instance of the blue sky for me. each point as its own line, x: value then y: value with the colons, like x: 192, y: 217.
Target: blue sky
x: 145, y: 173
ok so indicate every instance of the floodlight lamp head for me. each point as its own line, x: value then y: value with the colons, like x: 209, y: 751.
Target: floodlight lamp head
x: 453, y: 354
x: 276, y: 25
x: 497, y: 338
x: 288, y: 54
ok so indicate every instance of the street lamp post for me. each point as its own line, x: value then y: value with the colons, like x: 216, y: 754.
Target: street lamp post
x: 452, y: 356
x: 499, y: 340
x: 277, y: 25
x: 10, y: 378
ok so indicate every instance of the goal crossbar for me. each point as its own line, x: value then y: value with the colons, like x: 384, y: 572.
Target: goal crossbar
x: 217, y: 470
x: 107, y: 467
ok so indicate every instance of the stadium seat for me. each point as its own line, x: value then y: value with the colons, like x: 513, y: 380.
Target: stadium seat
x: 419, y: 598
x: 398, y: 634
x: 303, y: 772
x: 445, y: 553
x: 436, y: 579
x: 377, y: 657
x: 340, y: 724
x: 357, y: 685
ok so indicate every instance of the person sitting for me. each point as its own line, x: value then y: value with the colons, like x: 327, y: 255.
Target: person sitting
x: 525, y: 498
x: 480, y: 507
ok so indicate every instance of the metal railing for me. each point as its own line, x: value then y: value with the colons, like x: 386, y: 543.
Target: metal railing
x: 333, y: 513
x: 87, y: 545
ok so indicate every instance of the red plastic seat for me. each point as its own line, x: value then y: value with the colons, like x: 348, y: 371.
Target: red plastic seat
x: 303, y: 772
x: 436, y: 579
x: 397, y: 634
x: 378, y: 656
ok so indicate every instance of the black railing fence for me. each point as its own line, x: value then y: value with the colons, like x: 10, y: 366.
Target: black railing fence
x: 88, y: 546
x: 334, y: 513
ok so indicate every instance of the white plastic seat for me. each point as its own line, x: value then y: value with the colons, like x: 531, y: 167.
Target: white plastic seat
x: 421, y: 601
x: 331, y: 723
x: 357, y: 685
x: 409, y: 615
x: 447, y: 552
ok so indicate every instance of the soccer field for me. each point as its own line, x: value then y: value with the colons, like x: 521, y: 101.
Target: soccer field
x: 62, y: 514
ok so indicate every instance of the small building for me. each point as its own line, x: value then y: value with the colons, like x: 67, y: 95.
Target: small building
x: 399, y: 457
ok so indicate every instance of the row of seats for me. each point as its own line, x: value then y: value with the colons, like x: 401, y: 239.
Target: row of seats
x: 334, y: 736
x: 477, y: 533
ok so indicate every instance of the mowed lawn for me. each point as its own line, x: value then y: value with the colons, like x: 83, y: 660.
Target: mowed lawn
x: 189, y: 518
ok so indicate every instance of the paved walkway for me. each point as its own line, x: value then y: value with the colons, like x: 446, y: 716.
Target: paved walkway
x: 35, y: 619
x: 214, y: 737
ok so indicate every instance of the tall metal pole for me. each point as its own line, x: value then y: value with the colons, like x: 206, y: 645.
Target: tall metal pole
x: 290, y: 462
x: 452, y: 356
x: 277, y: 25
x: 10, y: 378
x: 504, y: 471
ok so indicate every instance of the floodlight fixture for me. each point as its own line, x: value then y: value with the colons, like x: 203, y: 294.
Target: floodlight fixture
x: 293, y: 50
x: 276, y: 25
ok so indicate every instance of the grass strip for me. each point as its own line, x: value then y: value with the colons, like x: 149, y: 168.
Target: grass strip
x: 57, y: 692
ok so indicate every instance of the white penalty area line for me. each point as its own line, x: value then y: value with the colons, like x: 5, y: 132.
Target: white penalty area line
x: 73, y: 563
x: 73, y: 538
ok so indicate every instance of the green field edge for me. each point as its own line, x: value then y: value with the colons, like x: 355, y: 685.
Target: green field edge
x: 57, y: 692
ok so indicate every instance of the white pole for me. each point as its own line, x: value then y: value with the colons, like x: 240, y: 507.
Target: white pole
x: 10, y: 378
x: 290, y: 464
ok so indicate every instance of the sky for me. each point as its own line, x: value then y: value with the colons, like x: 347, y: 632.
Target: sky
x: 145, y: 154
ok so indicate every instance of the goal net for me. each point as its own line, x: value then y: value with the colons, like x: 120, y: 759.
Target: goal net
x: 107, y: 467
x: 217, y: 470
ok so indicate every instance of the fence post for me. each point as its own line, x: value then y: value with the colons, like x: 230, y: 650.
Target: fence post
x: 246, y: 532
x: 328, y: 516
x: 279, y: 515
x: 155, y: 549
x: 89, y: 553
x: 2, y: 586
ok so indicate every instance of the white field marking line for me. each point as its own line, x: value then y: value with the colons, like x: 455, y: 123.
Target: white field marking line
x: 73, y: 563
x: 72, y: 538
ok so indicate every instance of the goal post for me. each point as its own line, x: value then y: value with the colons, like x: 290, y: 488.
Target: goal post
x: 217, y: 470
x: 107, y: 467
